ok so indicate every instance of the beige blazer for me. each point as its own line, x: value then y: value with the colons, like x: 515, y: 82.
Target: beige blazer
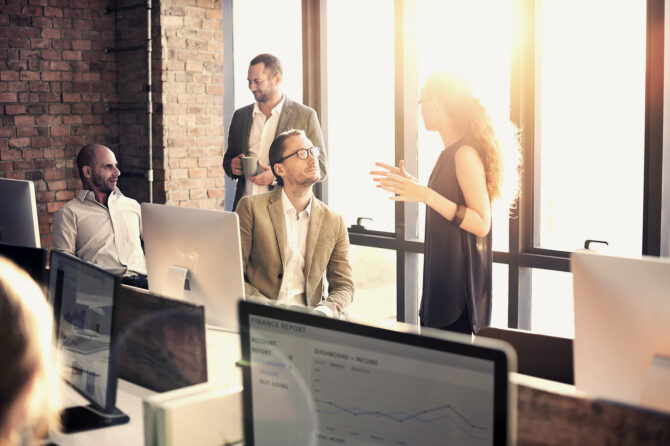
x: 262, y: 233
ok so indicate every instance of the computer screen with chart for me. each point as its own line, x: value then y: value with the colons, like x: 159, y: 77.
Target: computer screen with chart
x: 83, y: 298
x: 312, y: 380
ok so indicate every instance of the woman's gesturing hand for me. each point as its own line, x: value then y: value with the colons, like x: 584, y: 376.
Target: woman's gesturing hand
x: 397, y: 181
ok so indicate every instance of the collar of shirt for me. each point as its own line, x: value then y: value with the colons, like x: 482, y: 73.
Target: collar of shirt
x: 288, y: 206
x: 275, y: 111
x: 86, y: 194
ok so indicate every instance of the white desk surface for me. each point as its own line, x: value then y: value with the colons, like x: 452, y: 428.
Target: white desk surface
x: 223, y: 350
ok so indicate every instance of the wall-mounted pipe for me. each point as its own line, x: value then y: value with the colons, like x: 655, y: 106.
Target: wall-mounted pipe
x: 150, y: 108
x: 149, y: 105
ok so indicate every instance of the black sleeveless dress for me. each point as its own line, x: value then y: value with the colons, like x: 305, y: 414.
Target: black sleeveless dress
x: 457, y: 264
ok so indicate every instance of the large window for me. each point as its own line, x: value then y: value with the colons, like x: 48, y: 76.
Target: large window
x: 585, y: 146
x: 578, y: 78
x: 360, y: 108
x: 255, y: 31
x: 589, y: 124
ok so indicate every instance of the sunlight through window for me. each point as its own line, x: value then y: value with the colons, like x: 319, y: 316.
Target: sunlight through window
x: 590, y: 99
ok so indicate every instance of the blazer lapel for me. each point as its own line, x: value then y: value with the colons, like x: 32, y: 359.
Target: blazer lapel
x: 276, y: 211
x: 246, y: 130
x: 284, y: 117
x: 315, y: 220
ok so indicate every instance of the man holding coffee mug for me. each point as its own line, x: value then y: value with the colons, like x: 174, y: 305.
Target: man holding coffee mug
x: 254, y: 127
x: 291, y: 241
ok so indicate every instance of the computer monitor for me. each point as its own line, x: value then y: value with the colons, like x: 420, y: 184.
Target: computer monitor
x: 83, y: 297
x: 312, y: 380
x: 32, y: 260
x: 622, y: 323
x: 18, y: 213
x: 195, y: 254
x: 160, y: 342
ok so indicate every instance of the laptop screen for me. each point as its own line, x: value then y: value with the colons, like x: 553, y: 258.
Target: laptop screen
x: 317, y: 381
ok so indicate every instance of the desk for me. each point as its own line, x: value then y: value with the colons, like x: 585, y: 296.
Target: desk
x: 555, y: 414
x: 549, y: 413
x: 223, y: 350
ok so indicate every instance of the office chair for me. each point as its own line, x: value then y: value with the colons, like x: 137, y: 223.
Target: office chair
x: 539, y: 355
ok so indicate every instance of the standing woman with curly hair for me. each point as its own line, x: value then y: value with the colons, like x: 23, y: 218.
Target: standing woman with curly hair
x: 467, y: 177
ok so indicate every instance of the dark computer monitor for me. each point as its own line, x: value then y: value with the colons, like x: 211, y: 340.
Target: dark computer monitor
x: 18, y: 213
x: 195, y: 255
x: 160, y: 343
x: 312, y: 380
x: 84, y: 300
x: 32, y: 260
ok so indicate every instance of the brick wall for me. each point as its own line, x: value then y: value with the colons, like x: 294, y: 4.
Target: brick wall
x: 55, y: 86
x: 60, y: 90
x: 192, y: 102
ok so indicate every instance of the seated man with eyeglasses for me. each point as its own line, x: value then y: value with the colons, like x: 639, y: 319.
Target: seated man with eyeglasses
x: 291, y: 240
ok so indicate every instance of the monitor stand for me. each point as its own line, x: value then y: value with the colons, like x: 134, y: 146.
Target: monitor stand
x: 176, y: 282
x: 84, y: 418
x: 656, y: 390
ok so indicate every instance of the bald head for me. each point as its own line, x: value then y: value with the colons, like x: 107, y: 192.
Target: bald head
x: 87, y: 156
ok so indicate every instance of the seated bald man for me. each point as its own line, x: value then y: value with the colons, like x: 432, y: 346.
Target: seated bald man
x: 290, y: 239
x: 101, y: 225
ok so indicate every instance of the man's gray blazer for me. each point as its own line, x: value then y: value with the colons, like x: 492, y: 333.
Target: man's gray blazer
x: 293, y: 116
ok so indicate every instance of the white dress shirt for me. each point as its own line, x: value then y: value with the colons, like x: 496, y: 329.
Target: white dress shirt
x: 108, y: 236
x: 292, y: 289
x: 262, y: 134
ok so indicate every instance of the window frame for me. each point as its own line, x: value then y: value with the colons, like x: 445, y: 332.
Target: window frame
x: 522, y: 257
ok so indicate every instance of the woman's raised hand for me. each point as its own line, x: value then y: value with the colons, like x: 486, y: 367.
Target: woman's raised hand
x: 400, y: 170
x: 397, y: 181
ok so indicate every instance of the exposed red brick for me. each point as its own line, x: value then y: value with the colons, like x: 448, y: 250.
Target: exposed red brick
x: 64, y: 195
x: 19, y: 143
x: 54, y: 206
x: 24, y: 120
x: 54, y: 174
x: 45, y: 197
x: 26, y: 131
x: 8, y: 97
x: 15, y: 110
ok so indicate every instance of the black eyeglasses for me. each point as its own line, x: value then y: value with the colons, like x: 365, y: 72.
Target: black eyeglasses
x: 302, y: 154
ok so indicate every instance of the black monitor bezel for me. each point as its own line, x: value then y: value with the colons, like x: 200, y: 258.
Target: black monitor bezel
x: 110, y: 397
x: 126, y: 296
x: 19, y: 254
x: 502, y: 393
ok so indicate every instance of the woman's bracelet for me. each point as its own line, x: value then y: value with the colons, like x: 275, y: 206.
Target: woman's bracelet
x: 459, y: 215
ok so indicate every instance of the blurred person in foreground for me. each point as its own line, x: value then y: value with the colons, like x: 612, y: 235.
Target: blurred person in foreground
x: 466, y: 179
x: 28, y: 383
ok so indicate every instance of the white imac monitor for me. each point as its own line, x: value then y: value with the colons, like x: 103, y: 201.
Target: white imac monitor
x: 195, y: 254
x: 622, y: 328
x: 18, y: 213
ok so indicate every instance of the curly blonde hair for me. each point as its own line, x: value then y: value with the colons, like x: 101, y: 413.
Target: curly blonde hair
x: 488, y: 139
